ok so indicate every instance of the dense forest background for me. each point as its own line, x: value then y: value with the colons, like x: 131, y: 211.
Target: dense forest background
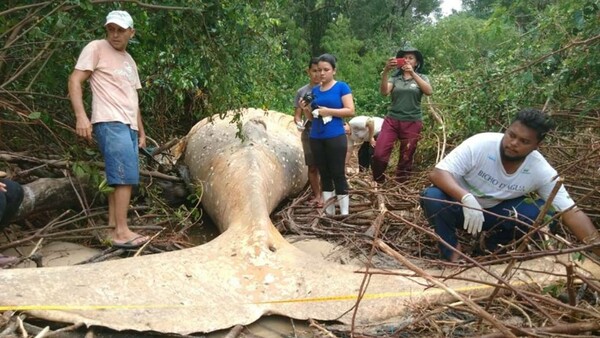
x: 198, y: 58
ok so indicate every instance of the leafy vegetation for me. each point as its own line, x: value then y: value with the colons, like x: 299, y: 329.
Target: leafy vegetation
x: 202, y: 58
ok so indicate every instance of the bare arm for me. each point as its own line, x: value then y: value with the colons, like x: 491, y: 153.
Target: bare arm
x: 371, y: 127
x: 302, y: 109
x: 297, y: 115
x: 425, y: 87
x: 582, y: 227
x: 83, y: 126
x: 576, y: 220
x: 349, y: 151
x: 346, y: 111
x: 141, y: 132
x: 298, y: 111
x: 385, y: 87
x: 446, y: 182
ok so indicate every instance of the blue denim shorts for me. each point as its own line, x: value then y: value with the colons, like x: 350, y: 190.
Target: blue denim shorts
x: 119, y: 145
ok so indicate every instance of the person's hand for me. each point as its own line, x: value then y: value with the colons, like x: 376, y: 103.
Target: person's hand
x: 305, y: 108
x: 390, y: 64
x: 142, y: 140
x: 373, y: 142
x: 302, y: 103
x: 2, y: 187
x: 408, y: 68
x: 83, y: 128
x: 325, y: 115
x: 473, y: 214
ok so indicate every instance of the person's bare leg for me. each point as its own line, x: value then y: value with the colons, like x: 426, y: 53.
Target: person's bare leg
x: 118, y: 208
x: 348, y: 157
x: 315, y: 185
x: 112, y: 220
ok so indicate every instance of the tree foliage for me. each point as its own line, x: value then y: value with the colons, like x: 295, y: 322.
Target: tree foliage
x: 536, y: 54
x: 201, y: 58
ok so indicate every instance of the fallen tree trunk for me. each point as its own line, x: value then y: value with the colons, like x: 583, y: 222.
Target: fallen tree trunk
x: 55, y: 194
x: 46, y: 194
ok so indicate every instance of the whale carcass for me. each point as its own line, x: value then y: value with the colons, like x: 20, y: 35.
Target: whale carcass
x: 246, y: 167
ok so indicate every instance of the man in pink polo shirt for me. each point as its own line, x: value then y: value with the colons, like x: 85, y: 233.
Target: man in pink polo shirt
x: 116, y: 121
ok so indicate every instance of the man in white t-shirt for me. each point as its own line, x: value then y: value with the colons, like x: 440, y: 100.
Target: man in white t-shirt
x: 116, y: 121
x: 483, y: 185
x: 362, y: 132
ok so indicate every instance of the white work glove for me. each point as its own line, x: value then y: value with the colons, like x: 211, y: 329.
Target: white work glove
x: 326, y: 119
x: 473, y: 214
x: 300, y: 125
x: 315, y: 113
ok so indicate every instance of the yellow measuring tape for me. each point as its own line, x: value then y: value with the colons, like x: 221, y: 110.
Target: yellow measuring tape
x: 283, y: 301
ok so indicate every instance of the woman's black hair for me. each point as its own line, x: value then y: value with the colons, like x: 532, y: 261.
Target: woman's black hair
x: 536, y: 120
x: 329, y: 59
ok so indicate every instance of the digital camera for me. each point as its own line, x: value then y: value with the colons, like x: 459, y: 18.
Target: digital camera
x: 309, y: 99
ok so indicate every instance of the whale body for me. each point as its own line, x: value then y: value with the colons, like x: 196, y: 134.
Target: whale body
x: 246, y: 163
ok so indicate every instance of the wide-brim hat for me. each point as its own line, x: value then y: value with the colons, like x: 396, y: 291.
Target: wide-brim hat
x: 414, y: 51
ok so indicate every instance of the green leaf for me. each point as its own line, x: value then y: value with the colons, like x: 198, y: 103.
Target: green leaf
x: 36, y: 115
x: 104, y: 188
x: 79, y: 170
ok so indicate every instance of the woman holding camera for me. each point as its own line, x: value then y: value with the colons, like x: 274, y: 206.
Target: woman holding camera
x: 332, y: 101
x: 404, y: 120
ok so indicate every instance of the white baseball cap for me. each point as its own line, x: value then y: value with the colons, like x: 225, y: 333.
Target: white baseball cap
x: 121, y: 18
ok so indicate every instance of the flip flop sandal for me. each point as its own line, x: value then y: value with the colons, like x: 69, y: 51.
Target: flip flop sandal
x: 130, y: 244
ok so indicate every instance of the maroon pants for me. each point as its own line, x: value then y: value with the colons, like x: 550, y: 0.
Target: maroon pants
x: 408, y: 132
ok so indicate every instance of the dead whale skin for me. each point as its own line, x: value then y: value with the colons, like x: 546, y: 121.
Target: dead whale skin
x: 247, y: 167
x: 246, y: 272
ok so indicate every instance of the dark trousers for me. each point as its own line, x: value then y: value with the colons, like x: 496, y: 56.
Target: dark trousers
x: 330, y: 158
x: 365, y: 155
x: 10, y: 201
x: 445, y: 218
x: 408, y: 132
